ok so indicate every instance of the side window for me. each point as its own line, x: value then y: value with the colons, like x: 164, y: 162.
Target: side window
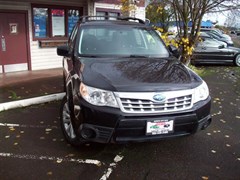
x: 73, y: 37
x: 73, y: 33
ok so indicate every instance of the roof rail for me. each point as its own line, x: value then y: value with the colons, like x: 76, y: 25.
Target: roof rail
x: 97, y: 18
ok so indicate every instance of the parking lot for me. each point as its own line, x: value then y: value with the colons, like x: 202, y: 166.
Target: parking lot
x: 32, y: 144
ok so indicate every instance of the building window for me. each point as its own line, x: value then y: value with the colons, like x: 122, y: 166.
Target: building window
x: 107, y: 12
x: 40, y: 19
x: 54, y: 22
x: 58, y: 22
x: 73, y: 16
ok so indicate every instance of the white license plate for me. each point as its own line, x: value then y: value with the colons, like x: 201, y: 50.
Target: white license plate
x: 159, y: 127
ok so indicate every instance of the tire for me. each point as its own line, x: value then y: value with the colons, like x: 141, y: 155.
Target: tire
x: 237, y: 60
x: 66, y: 125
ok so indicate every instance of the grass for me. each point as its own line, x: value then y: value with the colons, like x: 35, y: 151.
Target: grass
x: 201, y: 71
x: 13, y: 95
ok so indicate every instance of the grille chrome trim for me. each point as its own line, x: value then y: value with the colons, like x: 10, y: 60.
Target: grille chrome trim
x: 135, y: 102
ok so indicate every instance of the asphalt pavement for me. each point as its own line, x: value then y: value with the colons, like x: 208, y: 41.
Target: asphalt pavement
x: 32, y: 145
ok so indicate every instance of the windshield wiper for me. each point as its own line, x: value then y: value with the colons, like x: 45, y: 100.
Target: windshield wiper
x: 138, y: 56
x: 88, y: 55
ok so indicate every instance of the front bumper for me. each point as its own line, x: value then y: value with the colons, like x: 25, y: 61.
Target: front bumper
x: 104, y: 124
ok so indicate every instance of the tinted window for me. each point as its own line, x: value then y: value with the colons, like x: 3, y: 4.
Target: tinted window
x: 122, y: 41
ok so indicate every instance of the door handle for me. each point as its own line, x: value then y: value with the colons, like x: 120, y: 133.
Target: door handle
x: 3, y: 43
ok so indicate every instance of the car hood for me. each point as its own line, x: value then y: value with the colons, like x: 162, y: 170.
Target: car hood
x: 137, y: 74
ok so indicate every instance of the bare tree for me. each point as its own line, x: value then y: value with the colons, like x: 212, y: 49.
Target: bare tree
x: 194, y: 10
x: 232, y: 20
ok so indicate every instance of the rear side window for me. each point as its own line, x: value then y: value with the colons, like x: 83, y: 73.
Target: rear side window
x: 120, y: 40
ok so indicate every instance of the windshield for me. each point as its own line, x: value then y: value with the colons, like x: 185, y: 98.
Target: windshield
x: 120, y: 41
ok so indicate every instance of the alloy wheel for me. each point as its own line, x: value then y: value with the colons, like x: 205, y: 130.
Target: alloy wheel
x: 237, y: 60
x: 67, y: 124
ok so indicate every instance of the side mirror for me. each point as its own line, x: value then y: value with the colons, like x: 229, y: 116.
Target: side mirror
x: 221, y: 47
x: 63, y: 50
x: 175, y: 52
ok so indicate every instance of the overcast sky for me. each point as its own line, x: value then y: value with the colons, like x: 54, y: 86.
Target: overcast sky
x: 220, y: 17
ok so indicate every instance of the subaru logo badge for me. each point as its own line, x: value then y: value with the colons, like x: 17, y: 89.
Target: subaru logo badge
x: 159, y: 97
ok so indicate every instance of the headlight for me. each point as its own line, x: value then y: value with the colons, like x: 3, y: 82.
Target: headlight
x: 200, y: 93
x: 98, y: 97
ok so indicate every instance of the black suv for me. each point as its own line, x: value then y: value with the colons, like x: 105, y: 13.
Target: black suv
x: 124, y: 85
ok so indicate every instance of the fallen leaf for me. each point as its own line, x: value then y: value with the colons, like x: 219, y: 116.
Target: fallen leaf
x: 213, y: 151
x: 12, y: 129
x: 99, y: 164
x: 18, y: 136
x: 7, y: 137
x: 209, y: 134
x: 118, y: 158
x: 204, y: 177
x: 15, y: 144
x: 21, y: 132
x: 70, y: 155
x: 59, y: 160
x: 238, y: 117
x: 228, y: 145
x: 48, y: 129
x: 49, y: 173
x: 222, y: 121
x: 227, y: 136
x: 217, y: 167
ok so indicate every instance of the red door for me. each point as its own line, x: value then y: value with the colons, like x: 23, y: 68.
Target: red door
x: 13, y: 44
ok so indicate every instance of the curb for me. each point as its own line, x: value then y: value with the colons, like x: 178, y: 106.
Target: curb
x: 31, y: 101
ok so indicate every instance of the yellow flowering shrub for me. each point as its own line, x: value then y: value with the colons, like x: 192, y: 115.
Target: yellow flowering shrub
x: 183, y: 44
x: 127, y: 7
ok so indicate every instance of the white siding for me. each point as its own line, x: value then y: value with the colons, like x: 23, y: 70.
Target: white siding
x: 139, y: 13
x: 107, y: 6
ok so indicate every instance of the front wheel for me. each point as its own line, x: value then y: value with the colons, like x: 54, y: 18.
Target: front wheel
x: 237, y: 60
x: 67, y: 126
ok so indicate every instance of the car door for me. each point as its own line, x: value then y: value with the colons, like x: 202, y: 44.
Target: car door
x: 211, y: 54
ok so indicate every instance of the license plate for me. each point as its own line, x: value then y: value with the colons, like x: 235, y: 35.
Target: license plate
x: 159, y: 127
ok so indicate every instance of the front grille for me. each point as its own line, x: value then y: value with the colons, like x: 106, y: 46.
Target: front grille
x: 147, y: 105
